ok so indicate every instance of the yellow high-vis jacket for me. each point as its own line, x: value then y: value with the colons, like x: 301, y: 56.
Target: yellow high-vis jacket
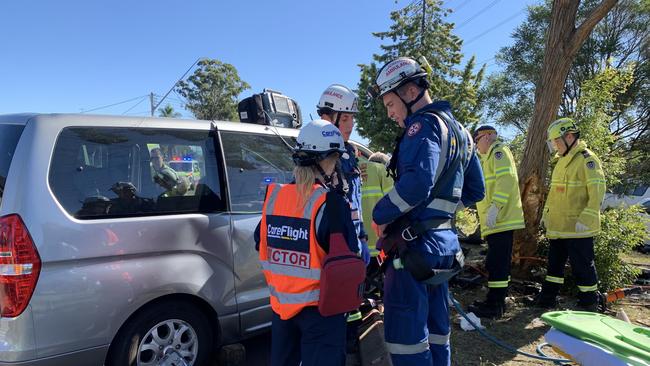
x: 375, y: 185
x: 501, y: 189
x: 576, y: 193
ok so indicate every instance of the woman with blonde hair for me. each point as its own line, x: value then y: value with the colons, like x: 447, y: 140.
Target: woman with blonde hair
x: 293, y: 239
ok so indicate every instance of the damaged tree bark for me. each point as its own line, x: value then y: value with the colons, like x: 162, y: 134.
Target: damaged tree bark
x: 563, y: 41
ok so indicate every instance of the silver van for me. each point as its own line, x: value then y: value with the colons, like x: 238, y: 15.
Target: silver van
x: 103, y: 262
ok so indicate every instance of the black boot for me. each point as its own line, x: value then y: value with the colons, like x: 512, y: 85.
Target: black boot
x: 542, y: 301
x: 494, y: 305
x: 485, y: 309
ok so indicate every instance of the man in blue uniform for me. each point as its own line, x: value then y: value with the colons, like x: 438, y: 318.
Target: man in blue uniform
x: 338, y: 105
x: 435, y: 169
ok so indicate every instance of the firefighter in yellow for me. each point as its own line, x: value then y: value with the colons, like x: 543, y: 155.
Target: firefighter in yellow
x: 572, y: 215
x: 499, y: 214
x: 376, y: 184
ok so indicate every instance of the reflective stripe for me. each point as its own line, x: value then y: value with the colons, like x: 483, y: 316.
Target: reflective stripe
x: 503, y: 171
x: 309, y: 274
x: 270, y: 204
x: 591, y: 212
x: 497, y: 284
x: 457, y: 192
x: 301, y: 298
x: 444, y: 141
x: 369, y: 195
x: 373, y: 189
x: 563, y: 234
x: 439, y: 339
x: 319, y: 217
x: 398, y: 201
x: 443, y: 205
x: 588, y: 288
x: 407, y: 349
x: 490, y: 177
x: 354, y: 316
x: 309, y: 206
x: 595, y: 181
x: 559, y: 280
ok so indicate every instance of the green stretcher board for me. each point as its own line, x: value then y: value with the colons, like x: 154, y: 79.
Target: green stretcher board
x: 625, y: 340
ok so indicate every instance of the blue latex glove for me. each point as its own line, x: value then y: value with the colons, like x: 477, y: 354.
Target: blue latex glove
x: 365, y: 252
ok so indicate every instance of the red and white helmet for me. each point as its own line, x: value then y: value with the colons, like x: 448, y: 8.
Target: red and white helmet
x: 397, y: 73
x: 337, y: 98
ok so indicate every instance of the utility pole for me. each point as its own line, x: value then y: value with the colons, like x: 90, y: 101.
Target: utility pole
x: 424, y: 12
x: 153, y: 109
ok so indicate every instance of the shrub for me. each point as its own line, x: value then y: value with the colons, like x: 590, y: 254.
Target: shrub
x: 622, y: 230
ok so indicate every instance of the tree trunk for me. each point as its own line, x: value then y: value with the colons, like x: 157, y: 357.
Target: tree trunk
x: 563, y: 41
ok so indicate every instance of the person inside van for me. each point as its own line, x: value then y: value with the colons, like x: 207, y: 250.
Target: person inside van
x: 165, y: 176
x: 292, y: 245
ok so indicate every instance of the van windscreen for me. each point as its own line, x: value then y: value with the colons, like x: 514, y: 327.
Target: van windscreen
x: 9, y: 135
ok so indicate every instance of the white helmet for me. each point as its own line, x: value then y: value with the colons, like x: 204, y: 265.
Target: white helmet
x: 397, y: 73
x: 316, y: 141
x: 337, y: 98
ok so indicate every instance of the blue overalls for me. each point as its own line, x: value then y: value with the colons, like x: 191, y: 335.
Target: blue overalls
x: 352, y: 175
x: 417, y: 315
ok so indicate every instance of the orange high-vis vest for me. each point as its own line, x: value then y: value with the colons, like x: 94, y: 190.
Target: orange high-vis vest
x: 289, y: 252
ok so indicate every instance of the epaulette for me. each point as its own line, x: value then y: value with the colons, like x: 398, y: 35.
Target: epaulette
x: 586, y: 153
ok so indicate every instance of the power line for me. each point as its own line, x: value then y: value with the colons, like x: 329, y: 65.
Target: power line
x: 462, y: 5
x: 482, y: 34
x: 466, y: 21
x: 135, y: 105
x: 111, y: 105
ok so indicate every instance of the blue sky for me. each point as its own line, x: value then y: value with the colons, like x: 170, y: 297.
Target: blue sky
x: 77, y: 55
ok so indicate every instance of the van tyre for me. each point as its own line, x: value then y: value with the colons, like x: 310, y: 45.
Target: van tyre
x: 164, y: 331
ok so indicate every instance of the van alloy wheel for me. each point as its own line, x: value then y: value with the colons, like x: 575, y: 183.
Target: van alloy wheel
x: 167, y: 333
x: 169, y: 339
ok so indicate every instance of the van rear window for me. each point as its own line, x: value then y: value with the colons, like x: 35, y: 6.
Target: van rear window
x: 9, y: 135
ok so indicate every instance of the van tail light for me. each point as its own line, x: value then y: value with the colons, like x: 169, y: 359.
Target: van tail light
x: 20, y: 266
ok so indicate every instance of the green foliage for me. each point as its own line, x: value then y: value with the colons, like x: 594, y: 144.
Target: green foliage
x: 622, y: 230
x: 212, y: 90
x: 168, y: 112
x: 617, y: 41
x: 442, y: 50
x: 594, y: 112
x: 467, y: 221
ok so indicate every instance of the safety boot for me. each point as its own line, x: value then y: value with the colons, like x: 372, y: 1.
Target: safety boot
x: 488, y: 309
x: 541, y: 301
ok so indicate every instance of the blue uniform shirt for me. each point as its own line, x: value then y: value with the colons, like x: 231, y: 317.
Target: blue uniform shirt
x: 419, y: 157
x: 352, y: 175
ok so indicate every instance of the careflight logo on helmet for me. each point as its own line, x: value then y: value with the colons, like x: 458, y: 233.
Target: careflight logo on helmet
x: 331, y: 133
x: 316, y: 141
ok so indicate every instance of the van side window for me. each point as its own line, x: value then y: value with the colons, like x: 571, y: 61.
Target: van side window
x: 252, y: 162
x: 120, y: 172
x: 9, y: 136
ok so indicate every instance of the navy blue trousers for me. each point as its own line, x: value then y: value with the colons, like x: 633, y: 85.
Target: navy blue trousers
x: 308, y: 337
x: 416, y: 317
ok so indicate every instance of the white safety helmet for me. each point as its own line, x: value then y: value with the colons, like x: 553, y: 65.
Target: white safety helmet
x: 316, y: 141
x: 337, y: 98
x: 397, y: 73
